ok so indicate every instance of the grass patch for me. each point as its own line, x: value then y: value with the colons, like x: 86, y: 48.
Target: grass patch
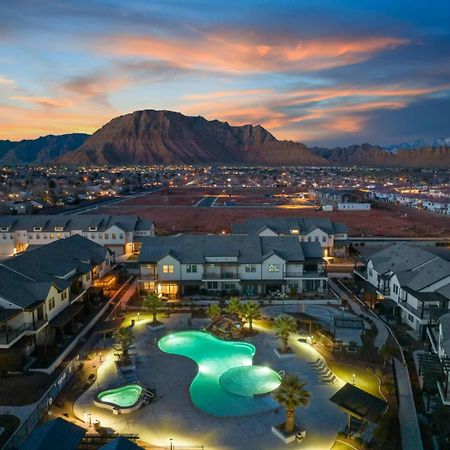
x: 363, y: 379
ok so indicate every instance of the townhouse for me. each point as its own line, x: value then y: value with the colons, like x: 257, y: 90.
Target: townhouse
x: 332, y: 236
x: 43, y: 291
x: 247, y: 265
x: 120, y: 234
x: 439, y: 357
x: 413, y: 282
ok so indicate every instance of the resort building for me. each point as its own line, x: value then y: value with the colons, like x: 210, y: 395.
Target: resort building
x: 120, y: 234
x: 411, y: 281
x: 234, y: 264
x: 45, y: 297
x: 332, y: 236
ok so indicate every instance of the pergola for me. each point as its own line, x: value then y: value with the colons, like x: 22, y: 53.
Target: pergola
x: 359, y: 404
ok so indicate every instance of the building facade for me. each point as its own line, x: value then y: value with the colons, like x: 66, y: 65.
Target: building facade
x: 120, y: 234
x: 331, y: 236
x: 187, y: 265
x: 42, y: 290
x: 412, y: 281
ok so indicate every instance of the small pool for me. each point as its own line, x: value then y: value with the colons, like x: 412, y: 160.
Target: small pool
x: 125, y: 398
x: 250, y: 380
x: 210, y: 391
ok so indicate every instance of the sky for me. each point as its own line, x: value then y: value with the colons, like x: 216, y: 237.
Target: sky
x: 321, y: 72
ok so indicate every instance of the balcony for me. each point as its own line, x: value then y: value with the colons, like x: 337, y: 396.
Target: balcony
x: 222, y: 275
x: 305, y: 274
x: 153, y: 276
x: 9, y: 336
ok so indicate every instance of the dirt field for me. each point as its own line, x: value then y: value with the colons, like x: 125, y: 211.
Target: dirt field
x: 173, y: 211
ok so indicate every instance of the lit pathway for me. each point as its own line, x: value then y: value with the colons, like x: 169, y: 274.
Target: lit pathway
x: 382, y: 331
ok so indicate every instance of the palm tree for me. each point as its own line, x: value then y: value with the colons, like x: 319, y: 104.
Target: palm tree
x: 284, y: 325
x: 153, y: 304
x: 291, y: 394
x: 234, y: 307
x: 214, y: 311
x: 123, y: 340
x: 251, y: 311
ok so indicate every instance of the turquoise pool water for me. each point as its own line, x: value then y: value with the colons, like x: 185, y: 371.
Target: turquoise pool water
x: 215, y: 358
x: 123, y: 397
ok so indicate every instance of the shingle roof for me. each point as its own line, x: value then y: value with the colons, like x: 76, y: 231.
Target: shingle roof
x: 26, y: 278
x: 244, y: 249
x: 284, y: 225
x: 74, y: 222
x: 53, y: 434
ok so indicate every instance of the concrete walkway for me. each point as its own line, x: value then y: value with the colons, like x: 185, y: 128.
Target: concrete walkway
x: 344, y: 294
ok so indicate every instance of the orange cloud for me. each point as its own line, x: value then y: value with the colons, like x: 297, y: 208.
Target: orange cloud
x: 43, y: 101
x: 249, y: 53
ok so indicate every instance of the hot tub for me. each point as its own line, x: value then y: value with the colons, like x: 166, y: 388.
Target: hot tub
x: 124, y: 399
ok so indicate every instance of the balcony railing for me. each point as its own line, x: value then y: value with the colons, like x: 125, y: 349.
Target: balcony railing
x: 149, y: 276
x: 10, y: 335
x: 225, y: 275
x: 305, y: 274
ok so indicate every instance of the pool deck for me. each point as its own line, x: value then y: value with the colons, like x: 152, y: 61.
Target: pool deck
x: 173, y: 414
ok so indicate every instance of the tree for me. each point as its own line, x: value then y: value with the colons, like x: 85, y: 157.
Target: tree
x: 284, y: 325
x: 251, y: 311
x: 291, y: 394
x: 214, y: 312
x: 234, y: 307
x: 153, y: 304
x: 123, y: 340
x: 387, y: 352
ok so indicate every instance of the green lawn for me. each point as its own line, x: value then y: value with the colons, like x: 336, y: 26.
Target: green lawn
x: 363, y: 379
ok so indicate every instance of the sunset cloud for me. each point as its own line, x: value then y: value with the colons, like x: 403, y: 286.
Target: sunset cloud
x: 251, y: 53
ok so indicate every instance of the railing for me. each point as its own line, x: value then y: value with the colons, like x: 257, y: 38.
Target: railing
x: 9, y: 336
x: 149, y: 276
x: 221, y: 276
x: 305, y: 274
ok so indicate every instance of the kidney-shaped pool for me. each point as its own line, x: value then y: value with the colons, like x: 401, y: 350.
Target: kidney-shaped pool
x: 227, y: 384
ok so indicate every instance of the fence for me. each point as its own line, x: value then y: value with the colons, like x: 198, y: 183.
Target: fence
x: 47, y: 399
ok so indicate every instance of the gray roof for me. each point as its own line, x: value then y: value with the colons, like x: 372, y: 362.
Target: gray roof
x: 284, y: 225
x: 414, y: 267
x: 246, y: 249
x: 52, y: 434
x: 400, y: 257
x: 120, y: 443
x: 26, y: 278
x: 74, y: 222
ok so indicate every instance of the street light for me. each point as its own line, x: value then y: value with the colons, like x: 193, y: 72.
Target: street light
x: 353, y: 378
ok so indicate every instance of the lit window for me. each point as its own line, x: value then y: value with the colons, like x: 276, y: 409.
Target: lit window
x: 168, y: 268
x: 274, y: 267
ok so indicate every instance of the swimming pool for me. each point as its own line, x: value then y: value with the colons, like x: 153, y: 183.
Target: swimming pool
x: 125, y: 398
x: 214, y: 357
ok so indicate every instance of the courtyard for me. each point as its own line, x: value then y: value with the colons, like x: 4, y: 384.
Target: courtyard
x: 173, y: 419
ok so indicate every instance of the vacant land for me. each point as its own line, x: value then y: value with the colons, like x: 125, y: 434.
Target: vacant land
x: 174, y: 211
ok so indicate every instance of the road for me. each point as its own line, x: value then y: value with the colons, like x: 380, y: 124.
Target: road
x: 206, y: 202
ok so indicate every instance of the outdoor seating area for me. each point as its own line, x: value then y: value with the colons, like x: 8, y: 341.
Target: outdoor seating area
x: 323, y: 371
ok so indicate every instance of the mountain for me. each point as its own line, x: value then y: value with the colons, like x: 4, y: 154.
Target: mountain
x: 152, y: 137
x: 375, y: 156
x: 41, y: 150
x: 419, y: 144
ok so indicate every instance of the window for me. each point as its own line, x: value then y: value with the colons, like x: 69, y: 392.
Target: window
x: 167, y: 268
x: 212, y: 285
x: 191, y: 268
x: 250, y: 268
x: 411, y: 318
x: 274, y: 267
x: 316, y: 239
x: 395, y: 288
x: 370, y: 272
x: 121, y: 235
x: 58, y: 228
x: 64, y: 294
x: 51, y: 303
x: 52, y: 236
x: 37, y: 229
x: 92, y: 236
x: 38, y: 236
x: 106, y: 236
x: 113, y: 236
x: 294, y: 231
x: 59, y: 235
x: 309, y: 239
x: 92, y: 228
x: 229, y: 286
x: 324, y: 239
